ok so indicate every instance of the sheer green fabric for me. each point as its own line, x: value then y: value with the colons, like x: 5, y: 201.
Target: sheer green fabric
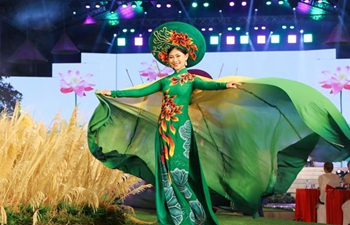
x: 252, y: 141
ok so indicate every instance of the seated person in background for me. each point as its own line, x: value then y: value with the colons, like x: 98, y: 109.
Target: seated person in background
x: 347, y: 176
x: 346, y: 211
x: 328, y: 178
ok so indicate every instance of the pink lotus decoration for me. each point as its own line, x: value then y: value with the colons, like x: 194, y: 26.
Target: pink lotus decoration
x: 337, y: 81
x: 152, y: 70
x: 75, y: 82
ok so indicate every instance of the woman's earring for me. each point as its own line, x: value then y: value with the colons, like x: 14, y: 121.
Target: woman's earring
x: 185, y: 63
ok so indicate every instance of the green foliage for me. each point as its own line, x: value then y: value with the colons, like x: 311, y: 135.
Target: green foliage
x: 67, y: 214
x: 8, y: 96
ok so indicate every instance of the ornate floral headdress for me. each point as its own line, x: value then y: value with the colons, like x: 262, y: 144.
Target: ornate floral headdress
x: 177, y: 34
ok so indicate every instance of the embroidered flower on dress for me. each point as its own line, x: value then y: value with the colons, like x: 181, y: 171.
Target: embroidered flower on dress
x: 183, y: 78
x: 168, y: 114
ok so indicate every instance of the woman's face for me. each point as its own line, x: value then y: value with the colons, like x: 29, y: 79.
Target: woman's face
x: 177, y: 59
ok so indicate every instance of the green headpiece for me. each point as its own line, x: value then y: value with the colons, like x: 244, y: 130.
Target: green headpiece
x: 177, y: 34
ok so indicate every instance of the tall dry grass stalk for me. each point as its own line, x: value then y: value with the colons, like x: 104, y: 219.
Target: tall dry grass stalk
x: 45, y: 166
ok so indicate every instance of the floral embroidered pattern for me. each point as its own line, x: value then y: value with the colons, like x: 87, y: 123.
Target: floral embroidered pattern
x: 199, y: 216
x: 164, y: 38
x: 174, y: 206
x: 180, y: 178
x: 182, y: 78
x: 185, y: 134
x: 168, y: 114
x: 183, y: 40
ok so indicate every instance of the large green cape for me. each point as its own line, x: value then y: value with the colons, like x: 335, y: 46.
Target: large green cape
x: 252, y: 141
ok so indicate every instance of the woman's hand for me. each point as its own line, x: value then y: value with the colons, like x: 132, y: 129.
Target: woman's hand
x: 105, y: 92
x: 233, y: 84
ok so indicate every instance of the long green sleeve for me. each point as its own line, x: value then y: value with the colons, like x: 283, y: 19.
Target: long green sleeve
x: 201, y: 84
x: 139, y: 92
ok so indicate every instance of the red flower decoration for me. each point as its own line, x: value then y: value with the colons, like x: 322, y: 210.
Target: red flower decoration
x: 183, y: 78
x: 163, y: 56
x: 184, y: 41
x: 168, y: 114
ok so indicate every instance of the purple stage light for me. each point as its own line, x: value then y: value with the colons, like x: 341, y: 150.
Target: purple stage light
x: 89, y: 20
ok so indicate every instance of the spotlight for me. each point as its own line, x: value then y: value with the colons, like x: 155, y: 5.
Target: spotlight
x: 307, y: 38
x: 280, y: 2
x: 261, y: 39
x: 231, y: 4
x: 168, y: 5
x: 138, y: 41
x: 268, y: 2
x: 244, y: 39
x: 275, y: 39
x: 292, y: 39
x: 133, y: 5
x: 97, y: 5
x: 340, y: 173
x: 87, y: 5
x: 230, y: 40
x: 244, y: 3
x: 124, y: 5
x: 214, y: 40
x: 206, y: 4
x: 194, y: 4
x: 158, y: 5
x: 121, y: 42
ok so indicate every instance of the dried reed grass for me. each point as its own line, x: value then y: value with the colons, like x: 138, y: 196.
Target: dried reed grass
x: 45, y: 166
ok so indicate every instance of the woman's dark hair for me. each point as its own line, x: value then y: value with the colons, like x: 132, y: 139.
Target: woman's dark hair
x: 328, y: 166
x: 184, y: 51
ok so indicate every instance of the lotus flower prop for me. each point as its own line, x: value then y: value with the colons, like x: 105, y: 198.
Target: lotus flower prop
x: 152, y: 70
x: 75, y: 82
x: 337, y: 81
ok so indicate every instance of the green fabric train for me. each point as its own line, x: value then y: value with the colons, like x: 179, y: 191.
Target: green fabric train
x: 252, y: 141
